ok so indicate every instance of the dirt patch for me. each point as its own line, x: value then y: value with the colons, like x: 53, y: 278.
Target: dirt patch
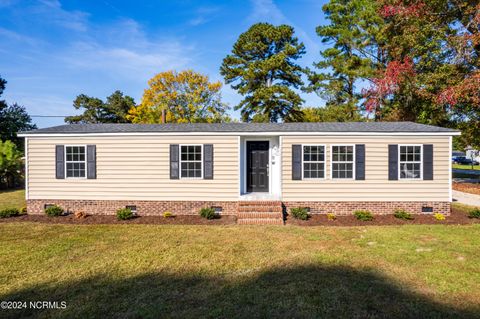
x: 456, y: 217
x: 472, y: 188
x: 109, y: 219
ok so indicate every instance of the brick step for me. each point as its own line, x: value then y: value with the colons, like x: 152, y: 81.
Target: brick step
x: 260, y: 221
x: 258, y: 208
x: 253, y: 214
x: 259, y: 203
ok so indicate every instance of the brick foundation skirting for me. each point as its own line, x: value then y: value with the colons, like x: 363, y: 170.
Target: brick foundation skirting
x: 380, y: 208
x: 144, y: 208
x: 152, y: 208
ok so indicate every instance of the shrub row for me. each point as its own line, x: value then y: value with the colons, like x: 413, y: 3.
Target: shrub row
x: 9, y: 212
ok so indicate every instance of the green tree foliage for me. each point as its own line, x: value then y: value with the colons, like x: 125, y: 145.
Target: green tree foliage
x: 10, y: 164
x: 114, y: 110
x: 330, y: 113
x: 14, y: 118
x: 3, y: 104
x: 352, y: 54
x: 262, y: 69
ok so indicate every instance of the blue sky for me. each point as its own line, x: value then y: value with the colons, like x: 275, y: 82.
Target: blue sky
x: 52, y: 50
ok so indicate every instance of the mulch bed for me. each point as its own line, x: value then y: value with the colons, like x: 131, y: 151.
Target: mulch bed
x: 472, y: 188
x: 110, y: 219
x: 456, y: 217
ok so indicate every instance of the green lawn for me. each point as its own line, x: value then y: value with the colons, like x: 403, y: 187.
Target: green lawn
x: 151, y: 271
x: 459, y: 166
x: 12, y: 198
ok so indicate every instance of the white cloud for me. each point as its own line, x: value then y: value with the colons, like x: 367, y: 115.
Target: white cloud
x: 203, y: 15
x: 51, y: 12
x: 123, y: 49
x: 266, y: 10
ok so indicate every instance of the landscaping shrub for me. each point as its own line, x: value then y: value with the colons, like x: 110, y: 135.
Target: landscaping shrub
x: 124, y: 214
x: 9, y: 212
x: 168, y: 215
x: 363, y: 215
x: 331, y: 216
x: 207, y: 212
x: 402, y: 214
x: 439, y: 216
x: 23, y: 210
x: 474, y: 213
x: 54, y: 211
x: 299, y: 213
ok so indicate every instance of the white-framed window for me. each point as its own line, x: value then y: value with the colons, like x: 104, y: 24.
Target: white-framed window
x: 191, y: 161
x: 343, y: 161
x: 75, y: 161
x: 410, y: 161
x: 313, y: 161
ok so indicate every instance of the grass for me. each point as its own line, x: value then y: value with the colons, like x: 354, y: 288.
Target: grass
x: 459, y: 166
x: 150, y: 271
x: 12, y: 199
x: 463, y: 207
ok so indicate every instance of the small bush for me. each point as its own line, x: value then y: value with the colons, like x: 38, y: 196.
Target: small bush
x: 439, y: 216
x: 331, y: 216
x: 474, y: 213
x: 9, y: 212
x: 401, y: 214
x: 54, y: 211
x: 207, y: 212
x: 168, y: 215
x: 299, y: 213
x: 363, y: 215
x: 124, y: 214
x: 23, y: 210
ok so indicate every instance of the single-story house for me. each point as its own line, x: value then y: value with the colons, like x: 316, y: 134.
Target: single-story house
x: 252, y: 170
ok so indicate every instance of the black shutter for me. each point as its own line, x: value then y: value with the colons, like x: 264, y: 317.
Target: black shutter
x: 208, y: 161
x: 59, y: 161
x: 360, y: 162
x: 393, y: 162
x: 174, y: 156
x: 296, y: 162
x: 91, y: 161
x: 428, y: 162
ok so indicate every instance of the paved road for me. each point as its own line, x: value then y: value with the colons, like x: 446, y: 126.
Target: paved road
x: 466, y: 198
x: 466, y: 171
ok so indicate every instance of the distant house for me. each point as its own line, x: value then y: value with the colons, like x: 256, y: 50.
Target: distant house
x: 472, y: 154
x: 250, y: 170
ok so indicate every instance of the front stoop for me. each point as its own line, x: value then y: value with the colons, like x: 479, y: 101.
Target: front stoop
x: 260, y: 213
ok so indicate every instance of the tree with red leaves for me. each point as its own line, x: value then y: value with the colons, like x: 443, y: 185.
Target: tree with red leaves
x: 424, y: 58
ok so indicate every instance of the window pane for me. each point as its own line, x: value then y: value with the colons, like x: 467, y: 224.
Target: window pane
x: 191, y: 161
x: 410, y: 170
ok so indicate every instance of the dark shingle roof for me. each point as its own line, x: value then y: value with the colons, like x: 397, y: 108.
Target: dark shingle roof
x: 332, y: 127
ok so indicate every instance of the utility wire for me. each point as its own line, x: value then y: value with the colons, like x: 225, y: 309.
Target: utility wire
x: 50, y: 115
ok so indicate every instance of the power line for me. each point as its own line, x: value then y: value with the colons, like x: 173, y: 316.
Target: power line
x: 50, y: 115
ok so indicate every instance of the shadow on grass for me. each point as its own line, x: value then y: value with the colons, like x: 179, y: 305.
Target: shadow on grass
x: 301, y: 292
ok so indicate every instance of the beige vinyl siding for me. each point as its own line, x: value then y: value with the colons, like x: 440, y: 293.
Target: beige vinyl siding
x: 376, y: 186
x: 133, y: 168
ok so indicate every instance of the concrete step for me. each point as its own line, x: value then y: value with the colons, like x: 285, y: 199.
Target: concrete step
x: 260, y: 221
x: 255, y: 214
